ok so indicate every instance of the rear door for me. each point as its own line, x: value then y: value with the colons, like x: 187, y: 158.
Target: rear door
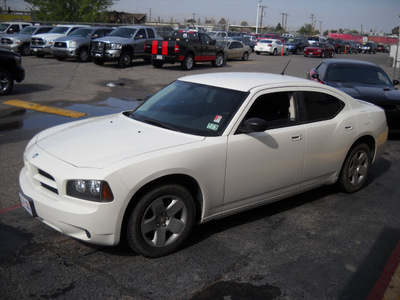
x: 208, y: 50
x: 139, y: 39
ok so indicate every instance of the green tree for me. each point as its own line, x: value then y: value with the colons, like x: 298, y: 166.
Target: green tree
x: 244, y: 23
x: 306, y: 30
x: 279, y: 27
x: 70, y: 10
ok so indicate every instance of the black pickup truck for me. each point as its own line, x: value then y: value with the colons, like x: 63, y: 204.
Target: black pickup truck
x: 186, y: 47
x: 10, y: 70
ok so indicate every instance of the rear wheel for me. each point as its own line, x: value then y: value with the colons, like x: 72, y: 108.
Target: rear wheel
x: 355, y: 168
x: 219, y: 61
x: 157, y: 63
x: 275, y: 52
x: 60, y: 58
x: 98, y: 61
x: 188, y: 62
x: 161, y: 221
x: 6, y: 82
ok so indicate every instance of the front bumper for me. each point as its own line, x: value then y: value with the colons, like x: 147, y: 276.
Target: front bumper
x: 64, y: 52
x: 40, y: 49
x: 19, y: 74
x: 12, y: 47
x: 107, y: 55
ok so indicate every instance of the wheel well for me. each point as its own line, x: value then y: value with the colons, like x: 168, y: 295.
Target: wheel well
x: 127, y: 48
x: 369, y: 140
x: 181, y: 179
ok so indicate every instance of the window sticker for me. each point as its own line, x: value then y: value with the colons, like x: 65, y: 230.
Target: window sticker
x: 217, y: 119
x: 185, y: 35
x: 212, y: 126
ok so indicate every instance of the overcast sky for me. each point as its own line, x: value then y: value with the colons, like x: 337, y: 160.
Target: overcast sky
x: 376, y: 15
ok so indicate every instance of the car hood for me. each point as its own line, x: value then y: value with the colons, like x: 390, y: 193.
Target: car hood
x: 113, y: 39
x: 374, y: 94
x: 16, y: 36
x: 49, y: 36
x: 101, y: 141
x: 72, y: 38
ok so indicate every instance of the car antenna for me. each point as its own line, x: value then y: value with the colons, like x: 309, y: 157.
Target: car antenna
x: 284, y: 69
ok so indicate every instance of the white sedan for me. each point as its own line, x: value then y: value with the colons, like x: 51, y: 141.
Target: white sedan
x: 271, y: 46
x: 203, y: 147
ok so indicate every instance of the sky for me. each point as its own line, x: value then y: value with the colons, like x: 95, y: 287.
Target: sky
x: 380, y: 16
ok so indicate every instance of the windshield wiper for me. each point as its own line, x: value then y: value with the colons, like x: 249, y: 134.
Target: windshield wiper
x: 159, y: 124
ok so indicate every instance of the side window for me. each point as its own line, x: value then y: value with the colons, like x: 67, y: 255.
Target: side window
x: 14, y: 29
x: 150, y: 33
x: 141, y: 34
x: 322, y: 70
x: 278, y: 109
x: 320, y: 106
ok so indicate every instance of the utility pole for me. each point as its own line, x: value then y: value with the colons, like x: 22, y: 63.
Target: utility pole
x: 262, y: 14
x: 258, y: 14
x: 284, y: 20
x: 149, y: 14
x: 320, y: 27
x: 312, y: 23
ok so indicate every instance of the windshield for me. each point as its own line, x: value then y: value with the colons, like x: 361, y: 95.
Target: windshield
x: 59, y: 29
x: 4, y: 26
x: 28, y: 30
x: 123, y: 32
x: 82, y: 32
x: 356, y: 74
x: 318, y: 45
x: 191, y: 108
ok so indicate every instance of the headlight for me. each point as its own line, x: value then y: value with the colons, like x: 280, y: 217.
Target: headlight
x: 17, y: 60
x: 73, y: 44
x: 17, y: 42
x: 115, y: 46
x: 50, y: 43
x: 92, y: 190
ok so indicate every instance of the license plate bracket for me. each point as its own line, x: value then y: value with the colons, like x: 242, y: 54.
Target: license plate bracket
x: 28, y: 205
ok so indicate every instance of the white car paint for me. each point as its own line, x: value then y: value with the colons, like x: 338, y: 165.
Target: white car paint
x: 234, y: 172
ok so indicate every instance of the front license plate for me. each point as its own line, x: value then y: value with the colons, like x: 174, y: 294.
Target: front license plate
x: 25, y: 204
x: 98, y: 55
x: 34, y: 50
x: 159, y: 57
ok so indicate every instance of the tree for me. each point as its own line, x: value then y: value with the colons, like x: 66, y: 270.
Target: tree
x: 279, y: 27
x: 306, y: 30
x: 244, y: 23
x: 70, y: 10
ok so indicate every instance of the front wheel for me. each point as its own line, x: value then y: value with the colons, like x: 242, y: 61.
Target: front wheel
x: 219, y: 61
x: 25, y: 50
x: 83, y: 55
x: 355, y: 168
x: 125, y: 59
x: 245, y: 56
x: 6, y: 82
x: 161, y: 221
x: 98, y: 61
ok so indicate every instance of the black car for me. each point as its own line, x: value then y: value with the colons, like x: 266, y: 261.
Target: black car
x: 351, y: 47
x: 339, y: 45
x: 297, y: 45
x: 362, y: 80
x: 10, y: 70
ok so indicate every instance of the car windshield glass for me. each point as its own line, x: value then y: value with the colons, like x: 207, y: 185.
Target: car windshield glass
x: 265, y: 41
x: 28, y: 30
x: 59, y: 29
x: 191, y: 108
x: 317, y: 45
x: 82, y: 32
x: 3, y: 26
x: 123, y: 32
x: 355, y: 74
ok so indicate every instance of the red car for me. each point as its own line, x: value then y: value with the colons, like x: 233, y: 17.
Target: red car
x: 320, y: 49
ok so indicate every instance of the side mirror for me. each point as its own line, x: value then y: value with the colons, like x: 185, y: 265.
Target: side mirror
x: 396, y: 82
x: 95, y: 36
x: 139, y: 37
x: 254, y: 125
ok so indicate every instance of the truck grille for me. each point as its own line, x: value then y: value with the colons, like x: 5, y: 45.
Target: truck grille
x: 99, y: 46
x: 60, y: 44
x: 37, y: 42
x: 6, y: 41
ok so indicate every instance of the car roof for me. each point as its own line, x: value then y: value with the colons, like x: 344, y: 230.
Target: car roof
x: 349, y: 62
x: 243, y: 81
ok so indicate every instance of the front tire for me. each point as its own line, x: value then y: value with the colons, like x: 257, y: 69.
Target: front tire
x: 355, y: 169
x: 83, y: 55
x: 6, y: 82
x: 25, y: 50
x: 245, y: 56
x: 161, y: 221
x: 125, y: 59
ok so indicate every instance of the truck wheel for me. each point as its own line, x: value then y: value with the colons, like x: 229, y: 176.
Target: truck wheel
x: 83, y: 55
x: 60, y: 58
x: 125, y: 59
x: 6, y: 82
x: 25, y: 49
x: 188, y: 62
x: 219, y: 61
x: 157, y: 63
x: 98, y: 61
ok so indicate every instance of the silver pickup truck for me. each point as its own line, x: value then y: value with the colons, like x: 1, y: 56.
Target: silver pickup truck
x: 20, y: 42
x: 78, y: 44
x: 122, y: 45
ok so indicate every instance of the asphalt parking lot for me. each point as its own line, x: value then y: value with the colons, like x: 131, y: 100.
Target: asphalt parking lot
x: 322, y: 244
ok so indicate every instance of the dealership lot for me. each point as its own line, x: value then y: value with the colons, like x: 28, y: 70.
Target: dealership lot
x: 319, y: 245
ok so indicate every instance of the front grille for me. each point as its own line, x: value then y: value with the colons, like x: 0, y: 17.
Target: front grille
x: 60, y: 44
x: 37, y: 42
x: 98, y: 46
x: 6, y: 41
x: 46, y: 181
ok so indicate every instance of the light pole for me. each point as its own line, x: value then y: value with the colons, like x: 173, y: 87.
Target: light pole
x: 258, y: 13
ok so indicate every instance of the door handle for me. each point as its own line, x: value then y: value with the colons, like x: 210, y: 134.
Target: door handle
x: 297, y: 137
x: 348, y: 127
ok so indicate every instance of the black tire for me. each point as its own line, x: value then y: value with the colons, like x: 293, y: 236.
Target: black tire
x: 98, y: 61
x: 258, y: 52
x: 25, y: 49
x: 287, y: 52
x: 125, y: 60
x: 188, y: 63
x: 219, y: 61
x: 6, y: 82
x: 245, y: 56
x: 275, y: 52
x: 157, y: 63
x: 60, y: 58
x: 355, y: 169
x: 83, y: 55
x: 161, y: 221
x: 40, y: 55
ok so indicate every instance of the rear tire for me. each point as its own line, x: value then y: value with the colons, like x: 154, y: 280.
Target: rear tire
x: 188, y: 63
x: 157, y: 63
x: 219, y: 61
x: 161, y: 221
x: 6, y: 82
x: 355, y: 169
x: 98, y: 61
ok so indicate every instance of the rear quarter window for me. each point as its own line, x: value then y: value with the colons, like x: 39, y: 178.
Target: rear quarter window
x: 320, y: 106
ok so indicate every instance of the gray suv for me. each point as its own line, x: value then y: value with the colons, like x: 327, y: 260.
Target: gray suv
x: 122, y: 45
x: 20, y: 42
x: 78, y: 43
